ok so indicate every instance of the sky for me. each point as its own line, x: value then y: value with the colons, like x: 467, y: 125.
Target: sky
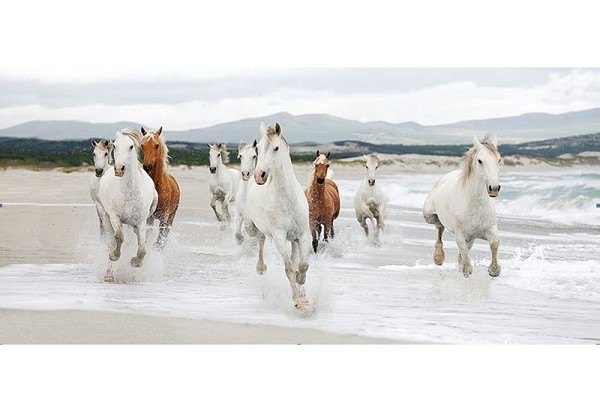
x: 162, y: 66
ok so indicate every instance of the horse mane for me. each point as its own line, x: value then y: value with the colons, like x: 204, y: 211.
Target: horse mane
x: 468, y: 158
x: 221, y: 148
x: 163, y: 146
x: 136, y: 137
x: 372, y: 158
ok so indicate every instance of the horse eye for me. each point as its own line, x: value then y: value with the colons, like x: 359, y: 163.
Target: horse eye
x: 105, y: 154
x: 219, y: 155
x: 131, y: 147
x: 479, y: 161
x: 276, y: 148
x: 157, y: 145
x: 499, y: 160
x: 254, y: 157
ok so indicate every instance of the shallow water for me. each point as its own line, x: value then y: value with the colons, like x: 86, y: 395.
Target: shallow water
x: 548, y: 292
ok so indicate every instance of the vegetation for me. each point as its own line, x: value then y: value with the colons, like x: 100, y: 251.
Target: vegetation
x: 47, y: 153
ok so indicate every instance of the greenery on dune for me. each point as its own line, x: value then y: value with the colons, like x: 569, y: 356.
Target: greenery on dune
x: 46, y: 153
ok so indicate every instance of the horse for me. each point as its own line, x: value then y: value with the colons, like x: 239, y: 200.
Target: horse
x: 156, y: 161
x: 127, y: 197
x: 460, y: 202
x: 323, y: 200
x: 247, y: 155
x: 369, y: 202
x: 103, y: 160
x: 277, y: 207
x: 223, y: 182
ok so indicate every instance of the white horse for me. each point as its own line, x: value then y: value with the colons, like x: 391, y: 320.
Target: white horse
x: 103, y: 160
x: 277, y: 207
x: 223, y: 182
x: 247, y: 154
x: 127, y: 196
x: 460, y: 202
x: 369, y: 201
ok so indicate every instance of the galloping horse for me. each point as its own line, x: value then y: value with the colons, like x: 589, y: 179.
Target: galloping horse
x: 277, y: 207
x: 103, y: 160
x: 369, y: 202
x: 247, y: 155
x: 156, y: 161
x: 460, y: 202
x: 223, y: 182
x: 323, y: 200
x: 127, y: 196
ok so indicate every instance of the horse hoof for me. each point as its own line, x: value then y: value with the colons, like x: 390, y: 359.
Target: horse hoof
x: 302, y: 303
x: 494, y: 271
x: 114, y: 256
x: 438, y: 258
x: 261, y: 269
x: 239, y: 238
x: 136, y: 262
x: 467, y: 270
x: 109, y: 278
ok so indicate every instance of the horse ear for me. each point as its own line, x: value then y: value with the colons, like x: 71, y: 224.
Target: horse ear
x: 109, y: 145
x: 366, y: 157
x: 476, y: 143
x: 494, y: 140
x: 263, y: 128
x: 318, y: 153
x: 277, y: 129
x: 159, y: 131
x: 94, y: 143
x: 144, y: 132
x: 254, y: 144
x: 209, y: 146
x: 327, y: 155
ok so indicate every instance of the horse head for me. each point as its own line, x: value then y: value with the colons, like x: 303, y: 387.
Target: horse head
x: 217, y: 155
x: 126, y: 147
x: 482, y: 162
x: 154, y: 149
x: 372, y: 166
x: 102, y: 155
x: 273, y: 148
x: 321, y: 167
x: 247, y: 155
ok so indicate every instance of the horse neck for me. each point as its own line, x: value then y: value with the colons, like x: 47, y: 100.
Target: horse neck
x: 317, y: 189
x: 221, y: 171
x: 132, y: 173
x: 158, y: 171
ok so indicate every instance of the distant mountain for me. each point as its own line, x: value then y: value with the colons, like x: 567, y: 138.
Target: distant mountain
x: 324, y: 128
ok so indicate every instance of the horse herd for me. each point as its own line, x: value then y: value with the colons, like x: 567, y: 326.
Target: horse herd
x: 273, y: 203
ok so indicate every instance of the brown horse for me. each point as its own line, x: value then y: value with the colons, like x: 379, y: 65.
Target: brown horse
x: 323, y: 200
x: 156, y: 160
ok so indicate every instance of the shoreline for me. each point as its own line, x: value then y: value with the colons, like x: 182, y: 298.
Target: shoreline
x: 19, y: 327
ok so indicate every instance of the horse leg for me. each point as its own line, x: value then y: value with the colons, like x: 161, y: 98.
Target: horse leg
x: 439, y: 256
x: 140, y: 232
x: 463, y: 256
x: 302, y: 252
x: 298, y: 294
x: 363, y: 223
x: 315, y: 231
x: 164, y: 227
x: 261, y: 268
x: 239, y: 238
x: 331, y: 231
x: 117, y: 226
x: 492, y: 237
x: 213, y: 204
x: 225, y: 209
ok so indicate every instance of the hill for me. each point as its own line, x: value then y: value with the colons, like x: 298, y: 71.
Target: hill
x: 324, y: 128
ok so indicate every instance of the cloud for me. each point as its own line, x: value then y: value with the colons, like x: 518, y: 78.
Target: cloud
x: 396, y: 96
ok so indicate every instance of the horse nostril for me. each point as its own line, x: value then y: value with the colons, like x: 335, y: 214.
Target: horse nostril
x: 489, y: 188
x: 263, y: 175
x: 499, y: 187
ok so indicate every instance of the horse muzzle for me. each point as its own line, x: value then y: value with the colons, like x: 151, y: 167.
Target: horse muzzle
x: 260, y: 177
x: 245, y: 176
x: 148, y: 168
x: 493, y: 190
x: 320, y: 180
x: 99, y: 172
x: 371, y: 182
x: 119, y: 171
x: 213, y: 170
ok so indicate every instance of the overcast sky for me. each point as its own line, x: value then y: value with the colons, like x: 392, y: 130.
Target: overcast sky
x: 180, y: 67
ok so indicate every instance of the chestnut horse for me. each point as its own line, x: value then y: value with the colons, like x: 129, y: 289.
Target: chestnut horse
x: 323, y: 200
x: 156, y: 161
